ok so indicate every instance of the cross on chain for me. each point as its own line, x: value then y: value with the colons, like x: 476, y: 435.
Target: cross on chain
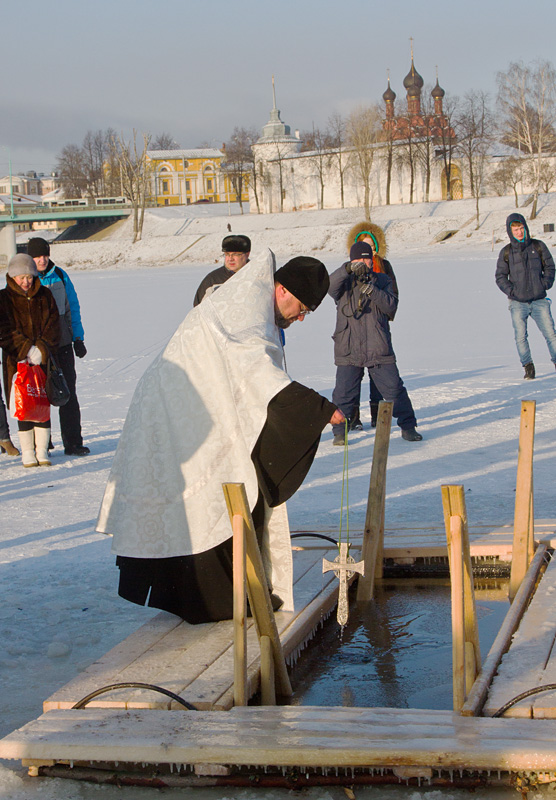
x: 344, y: 567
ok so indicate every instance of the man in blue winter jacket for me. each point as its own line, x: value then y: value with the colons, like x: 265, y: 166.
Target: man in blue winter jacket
x: 71, y: 333
x: 524, y: 272
x: 365, y: 304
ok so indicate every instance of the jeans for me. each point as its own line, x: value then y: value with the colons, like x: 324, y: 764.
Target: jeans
x: 539, y: 311
x: 388, y: 382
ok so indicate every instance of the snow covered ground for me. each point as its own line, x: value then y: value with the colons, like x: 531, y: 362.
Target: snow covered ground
x: 59, y: 608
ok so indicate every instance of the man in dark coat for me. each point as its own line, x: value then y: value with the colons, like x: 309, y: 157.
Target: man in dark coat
x: 236, y: 249
x: 365, y: 303
x: 525, y: 272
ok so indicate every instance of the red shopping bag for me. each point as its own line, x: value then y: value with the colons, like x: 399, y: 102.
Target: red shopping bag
x: 28, y: 400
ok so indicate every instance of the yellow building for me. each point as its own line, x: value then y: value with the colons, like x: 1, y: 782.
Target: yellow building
x: 183, y: 177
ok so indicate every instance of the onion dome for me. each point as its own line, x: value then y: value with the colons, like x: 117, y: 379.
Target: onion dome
x: 413, y: 79
x: 438, y: 91
x: 389, y: 95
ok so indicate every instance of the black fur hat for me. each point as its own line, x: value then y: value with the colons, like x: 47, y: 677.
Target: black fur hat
x: 306, y: 278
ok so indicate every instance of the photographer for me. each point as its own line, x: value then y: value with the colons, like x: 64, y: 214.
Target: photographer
x: 365, y: 304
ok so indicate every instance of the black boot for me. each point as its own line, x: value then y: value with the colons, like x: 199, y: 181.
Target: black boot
x: 529, y: 371
x: 374, y: 414
x: 411, y: 435
x: 355, y: 423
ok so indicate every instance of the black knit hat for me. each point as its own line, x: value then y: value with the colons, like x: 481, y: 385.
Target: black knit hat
x: 38, y: 247
x: 236, y: 243
x: 306, y: 278
x: 360, y: 250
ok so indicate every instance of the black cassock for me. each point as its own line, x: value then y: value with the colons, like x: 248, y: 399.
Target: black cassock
x: 198, y: 587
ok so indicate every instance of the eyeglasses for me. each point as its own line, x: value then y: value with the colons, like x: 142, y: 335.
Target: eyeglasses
x: 304, y: 310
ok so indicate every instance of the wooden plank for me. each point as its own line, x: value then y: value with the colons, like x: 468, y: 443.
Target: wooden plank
x: 289, y: 737
x: 453, y: 504
x: 522, y: 666
x: 257, y: 585
x: 478, y: 694
x: 240, y: 612
x: 523, y: 518
x: 458, y: 615
x: 374, y: 518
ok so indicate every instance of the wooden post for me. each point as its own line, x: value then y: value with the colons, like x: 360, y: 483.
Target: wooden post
x: 268, y: 682
x: 257, y: 586
x: 372, y: 543
x: 240, y: 612
x: 453, y: 503
x: 524, y: 511
x: 458, y: 616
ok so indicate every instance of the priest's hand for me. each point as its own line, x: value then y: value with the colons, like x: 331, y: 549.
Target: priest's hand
x: 337, y: 418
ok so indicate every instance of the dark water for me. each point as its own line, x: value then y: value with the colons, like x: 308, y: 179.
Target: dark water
x: 397, y: 651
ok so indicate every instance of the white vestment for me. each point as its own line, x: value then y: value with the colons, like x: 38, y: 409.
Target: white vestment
x: 192, y: 424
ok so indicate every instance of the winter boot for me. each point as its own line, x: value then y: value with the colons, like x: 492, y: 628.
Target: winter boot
x: 529, y: 371
x: 355, y: 423
x: 339, y: 439
x: 411, y: 435
x: 374, y: 414
x: 7, y: 446
x: 42, y: 437
x: 27, y: 444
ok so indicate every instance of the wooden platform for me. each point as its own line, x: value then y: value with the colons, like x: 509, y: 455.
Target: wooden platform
x: 132, y: 727
x: 277, y: 737
x: 405, y: 545
x: 196, y: 661
x: 531, y: 660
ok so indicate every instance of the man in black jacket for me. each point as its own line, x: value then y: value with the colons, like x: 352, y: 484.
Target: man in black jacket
x: 236, y: 249
x: 365, y: 303
x: 524, y: 272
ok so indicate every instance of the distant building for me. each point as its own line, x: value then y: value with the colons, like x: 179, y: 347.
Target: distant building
x: 183, y: 177
x: 289, y: 178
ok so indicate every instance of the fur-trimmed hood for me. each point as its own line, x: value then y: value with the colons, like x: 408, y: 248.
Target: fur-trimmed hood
x: 377, y: 233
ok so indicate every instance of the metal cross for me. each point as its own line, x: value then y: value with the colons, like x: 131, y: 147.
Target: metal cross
x: 344, y: 567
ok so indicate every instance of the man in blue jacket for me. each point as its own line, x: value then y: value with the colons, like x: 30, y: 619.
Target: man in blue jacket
x: 365, y: 304
x: 71, y: 332
x: 524, y: 272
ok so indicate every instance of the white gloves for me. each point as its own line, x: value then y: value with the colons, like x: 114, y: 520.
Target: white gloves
x: 34, y: 355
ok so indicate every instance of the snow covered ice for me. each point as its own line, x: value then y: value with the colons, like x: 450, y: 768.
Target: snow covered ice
x: 453, y: 338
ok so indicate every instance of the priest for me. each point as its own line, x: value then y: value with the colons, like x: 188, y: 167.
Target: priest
x: 216, y: 406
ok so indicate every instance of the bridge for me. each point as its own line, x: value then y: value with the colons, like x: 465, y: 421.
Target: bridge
x: 45, y: 214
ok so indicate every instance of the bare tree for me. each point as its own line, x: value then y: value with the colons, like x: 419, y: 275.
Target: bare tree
x: 363, y: 128
x: 475, y: 126
x: 506, y: 177
x: 135, y: 172
x: 337, y: 138
x: 279, y: 156
x: 527, y: 103
x: 548, y: 174
x: 448, y: 140
x: 239, y: 159
x: 70, y: 165
x: 320, y: 159
x: 406, y: 156
x: 164, y: 141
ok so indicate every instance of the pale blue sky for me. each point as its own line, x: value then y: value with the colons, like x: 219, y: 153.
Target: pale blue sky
x: 198, y: 68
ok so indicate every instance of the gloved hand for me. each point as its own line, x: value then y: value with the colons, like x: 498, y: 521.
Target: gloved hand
x: 34, y: 355
x: 357, y: 268
x: 79, y: 348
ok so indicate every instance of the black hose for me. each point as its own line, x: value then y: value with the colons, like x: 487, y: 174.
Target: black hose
x: 549, y: 687
x: 83, y: 702
x: 316, y: 535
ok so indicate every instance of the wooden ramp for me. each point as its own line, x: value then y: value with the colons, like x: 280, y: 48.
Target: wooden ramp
x: 530, y: 661
x: 196, y: 661
x: 414, y: 741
